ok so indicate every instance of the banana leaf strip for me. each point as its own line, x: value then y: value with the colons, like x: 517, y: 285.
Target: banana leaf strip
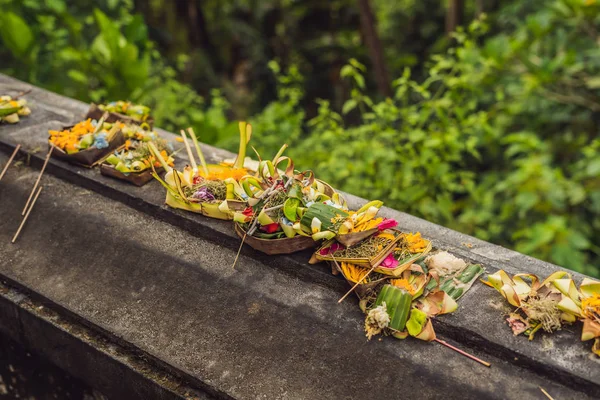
x: 437, y: 303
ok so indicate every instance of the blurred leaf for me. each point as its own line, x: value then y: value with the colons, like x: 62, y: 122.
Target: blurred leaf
x: 16, y: 35
x: 136, y: 31
x: 109, y: 35
x: 58, y: 6
x: 78, y: 76
x: 349, y: 105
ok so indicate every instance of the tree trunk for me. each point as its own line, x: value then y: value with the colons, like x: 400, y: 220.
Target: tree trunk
x: 454, y: 15
x: 479, y: 8
x: 373, y: 43
x: 190, y: 12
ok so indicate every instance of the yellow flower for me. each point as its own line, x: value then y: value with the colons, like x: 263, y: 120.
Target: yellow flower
x: 590, y: 306
x: 387, y: 236
x: 353, y: 272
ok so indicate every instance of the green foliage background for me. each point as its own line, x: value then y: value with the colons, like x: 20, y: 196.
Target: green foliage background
x: 494, y: 133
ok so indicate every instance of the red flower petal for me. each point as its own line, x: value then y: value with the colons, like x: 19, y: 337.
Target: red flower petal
x: 270, y: 228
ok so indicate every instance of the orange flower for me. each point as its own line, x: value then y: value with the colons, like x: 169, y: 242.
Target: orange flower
x: 403, y: 284
x: 223, y: 173
x: 68, y: 139
x: 416, y: 244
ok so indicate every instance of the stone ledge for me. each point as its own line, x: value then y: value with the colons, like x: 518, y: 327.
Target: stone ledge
x: 83, y: 353
x: 252, y: 332
x: 478, y: 323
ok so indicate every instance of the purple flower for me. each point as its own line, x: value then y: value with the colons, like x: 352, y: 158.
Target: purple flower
x: 203, y: 194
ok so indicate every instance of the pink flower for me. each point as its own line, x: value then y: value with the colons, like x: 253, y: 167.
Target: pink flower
x: 387, y: 224
x: 331, y: 249
x: 389, y: 262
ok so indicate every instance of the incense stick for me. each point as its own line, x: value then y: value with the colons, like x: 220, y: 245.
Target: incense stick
x: 546, y: 393
x: 189, y: 151
x: 27, y: 215
x: 464, y: 353
x: 23, y: 93
x: 10, y: 160
x: 239, y: 251
x: 37, y: 182
x: 357, y: 283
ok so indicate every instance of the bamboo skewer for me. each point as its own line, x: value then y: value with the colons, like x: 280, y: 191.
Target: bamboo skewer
x: 37, y: 182
x: 27, y: 215
x: 273, y: 208
x: 464, y: 353
x: 10, y: 160
x: 356, y: 284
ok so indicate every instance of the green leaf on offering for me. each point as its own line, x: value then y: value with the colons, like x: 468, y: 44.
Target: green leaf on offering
x: 416, y: 322
x: 112, y: 159
x: 295, y: 191
x: 290, y: 207
x: 277, y: 235
x: 323, y: 212
x: 8, y: 111
x: 121, y: 167
x: 397, y: 303
x: 86, y: 141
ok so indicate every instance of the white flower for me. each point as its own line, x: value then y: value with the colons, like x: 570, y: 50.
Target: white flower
x: 377, y: 320
x: 445, y: 263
